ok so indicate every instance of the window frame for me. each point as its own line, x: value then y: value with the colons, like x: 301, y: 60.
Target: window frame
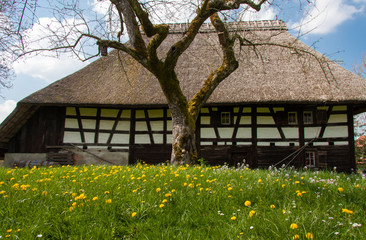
x: 304, y: 118
x: 310, y: 158
x: 288, y: 118
x: 225, y: 115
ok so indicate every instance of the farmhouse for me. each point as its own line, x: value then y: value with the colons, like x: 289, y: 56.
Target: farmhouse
x: 283, y: 105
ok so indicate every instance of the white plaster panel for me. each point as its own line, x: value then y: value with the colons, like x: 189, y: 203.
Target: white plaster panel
x: 205, y: 120
x: 140, y: 114
x: 245, y: 120
x: 225, y: 132
x: 343, y: 143
x: 106, y: 124
x: 169, y: 124
x: 89, y: 137
x: 72, y: 137
x: 243, y: 143
x: 88, y: 123
x: 263, y: 143
x: 336, y: 131
x: 71, y: 123
x: 323, y: 108
x: 142, y: 139
x: 282, y: 144
x: 268, y: 133
x: 339, y: 108
x: 126, y: 114
x: 90, y: 112
x: 208, y: 133
x: 70, y: 111
x: 123, y: 126
x: 157, y: 125
x: 247, y: 110
x: 311, y: 132
x: 265, y: 120
x: 120, y: 138
x: 290, y: 132
x: 263, y: 110
x: 204, y: 110
x: 103, y: 137
x: 320, y: 143
x: 206, y: 143
x: 109, y: 112
x: 337, y: 118
x: 169, y: 138
x: 155, y: 113
x: 141, y: 126
x: 224, y: 143
x: 278, y: 109
x: 158, y: 138
x: 244, y: 133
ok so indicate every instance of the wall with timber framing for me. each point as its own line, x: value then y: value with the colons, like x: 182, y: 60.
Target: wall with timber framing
x: 299, y: 135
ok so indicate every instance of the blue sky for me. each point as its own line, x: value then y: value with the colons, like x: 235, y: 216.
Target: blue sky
x: 337, y: 26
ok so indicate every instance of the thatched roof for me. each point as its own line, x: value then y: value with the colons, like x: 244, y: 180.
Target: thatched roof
x: 270, y: 74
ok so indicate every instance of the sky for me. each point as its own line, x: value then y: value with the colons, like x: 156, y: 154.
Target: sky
x: 336, y: 28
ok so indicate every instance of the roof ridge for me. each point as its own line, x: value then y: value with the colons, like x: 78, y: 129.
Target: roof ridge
x: 233, y: 26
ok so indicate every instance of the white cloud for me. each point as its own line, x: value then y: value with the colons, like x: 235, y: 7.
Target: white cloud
x: 49, y: 65
x: 6, y: 108
x: 267, y: 13
x: 324, y: 16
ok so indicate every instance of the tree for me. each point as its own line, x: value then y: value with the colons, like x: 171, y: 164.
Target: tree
x: 14, y: 20
x: 136, y: 19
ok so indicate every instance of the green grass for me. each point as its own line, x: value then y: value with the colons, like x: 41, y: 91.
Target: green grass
x: 97, y: 202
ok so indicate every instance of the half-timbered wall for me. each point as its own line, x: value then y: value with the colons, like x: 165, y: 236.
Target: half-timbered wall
x: 260, y: 135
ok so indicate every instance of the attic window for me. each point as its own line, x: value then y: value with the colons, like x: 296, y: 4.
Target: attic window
x: 225, y: 118
x: 308, y: 117
x: 292, y: 118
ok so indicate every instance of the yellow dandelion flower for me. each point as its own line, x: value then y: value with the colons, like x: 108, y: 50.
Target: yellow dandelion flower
x: 108, y: 201
x: 7, y: 236
x: 283, y: 185
x: 233, y: 218
x: 168, y: 195
x: 299, y: 194
x: 158, y: 190
x: 71, y: 208
x: 9, y: 230
x: 347, y: 211
x: 2, y: 192
x: 251, y: 213
x: 133, y: 214
x: 106, y: 192
x: 229, y: 188
x: 294, y: 226
x: 247, y: 203
x: 95, y: 198
x: 161, y: 205
x: 260, y: 180
x: 309, y: 236
x: 340, y: 189
x: 44, y: 193
x: 164, y: 201
x: 273, y: 206
x: 173, y: 190
x: 296, y: 236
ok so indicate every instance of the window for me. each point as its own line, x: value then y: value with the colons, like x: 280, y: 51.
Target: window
x: 310, y: 158
x: 308, y: 117
x: 292, y: 118
x: 225, y: 118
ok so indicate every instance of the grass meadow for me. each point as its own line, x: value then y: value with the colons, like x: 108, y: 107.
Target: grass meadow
x: 168, y: 202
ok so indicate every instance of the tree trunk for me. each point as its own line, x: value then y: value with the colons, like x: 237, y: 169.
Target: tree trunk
x: 184, y: 149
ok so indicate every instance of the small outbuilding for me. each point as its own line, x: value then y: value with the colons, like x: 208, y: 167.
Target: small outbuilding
x: 281, y: 106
